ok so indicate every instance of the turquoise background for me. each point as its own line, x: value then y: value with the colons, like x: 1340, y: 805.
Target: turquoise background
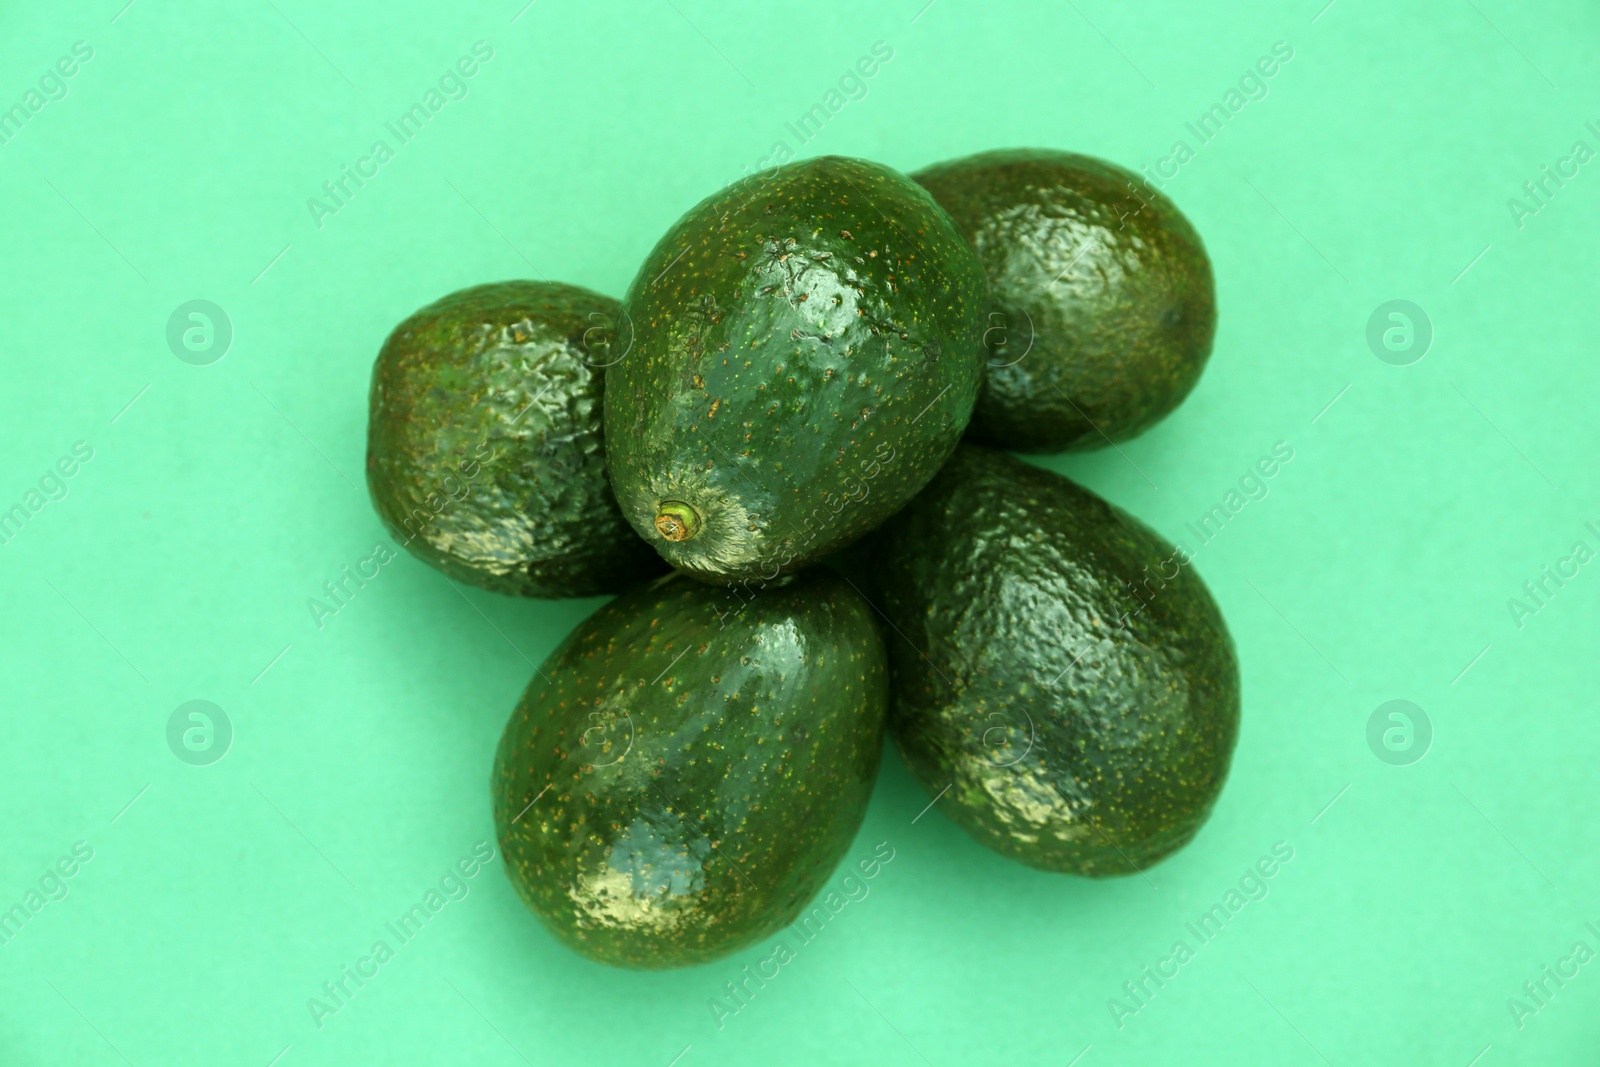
x: 219, y: 498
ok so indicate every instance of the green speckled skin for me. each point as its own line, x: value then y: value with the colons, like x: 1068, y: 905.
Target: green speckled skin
x: 1104, y: 304
x: 677, y: 783
x: 1081, y: 726
x: 805, y: 354
x: 484, y: 453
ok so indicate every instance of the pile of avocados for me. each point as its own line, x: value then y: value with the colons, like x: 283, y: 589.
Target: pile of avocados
x: 785, y: 452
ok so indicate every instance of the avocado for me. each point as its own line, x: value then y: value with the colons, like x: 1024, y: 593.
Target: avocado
x: 1104, y: 304
x: 803, y: 353
x: 678, y: 782
x: 1063, y: 682
x: 484, y: 451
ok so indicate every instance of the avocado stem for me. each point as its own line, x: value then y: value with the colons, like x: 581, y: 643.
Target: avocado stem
x: 676, y: 521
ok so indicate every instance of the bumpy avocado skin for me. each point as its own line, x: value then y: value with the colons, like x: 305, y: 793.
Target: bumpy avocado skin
x: 484, y: 449
x: 1070, y: 739
x: 804, y: 354
x: 677, y: 783
x: 1104, y: 303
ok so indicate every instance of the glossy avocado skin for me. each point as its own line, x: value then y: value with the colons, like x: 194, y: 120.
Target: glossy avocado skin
x: 1071, y: 739
x: 675, y: 783
x: 484, y: 450
x: 804, y: 354
x: 1104, y: 303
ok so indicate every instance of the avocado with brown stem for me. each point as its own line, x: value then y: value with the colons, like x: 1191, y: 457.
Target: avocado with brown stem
x: 801, y: 354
